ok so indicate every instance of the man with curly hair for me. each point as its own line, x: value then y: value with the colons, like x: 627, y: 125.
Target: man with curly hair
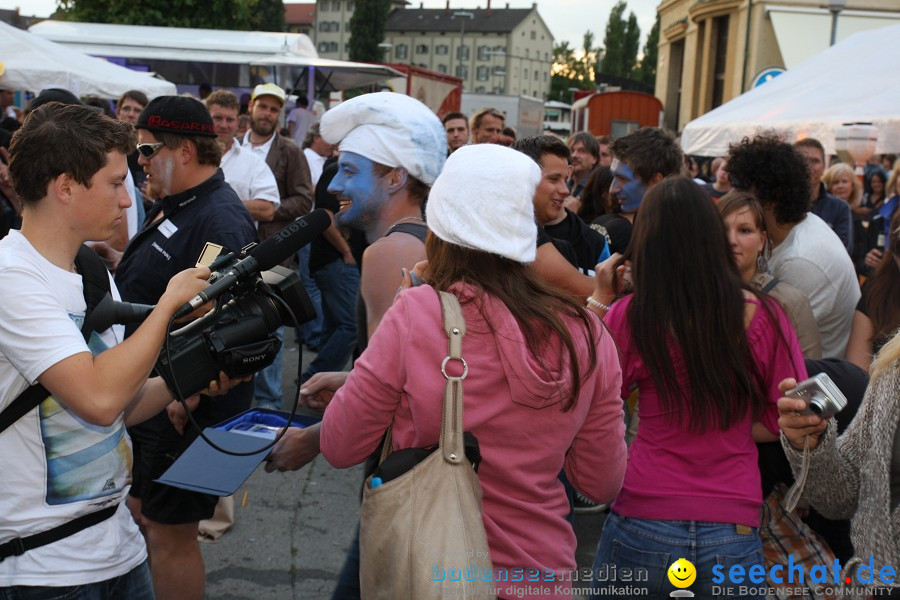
x: 806, y: 253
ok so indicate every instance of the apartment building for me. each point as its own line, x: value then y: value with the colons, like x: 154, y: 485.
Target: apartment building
x: 493, y: 50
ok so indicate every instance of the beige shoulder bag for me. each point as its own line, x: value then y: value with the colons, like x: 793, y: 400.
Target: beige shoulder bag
x: 421, y: 534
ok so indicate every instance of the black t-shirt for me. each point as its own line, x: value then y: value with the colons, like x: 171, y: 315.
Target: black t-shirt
x: 562, y: 246
x: 587, y: 243
x: 321, y: 252
x: 616, y: 228
x: 713, y: 192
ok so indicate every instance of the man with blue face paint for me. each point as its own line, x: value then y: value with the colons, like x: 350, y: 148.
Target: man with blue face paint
x: 392, y: 148
x: 640, y: 160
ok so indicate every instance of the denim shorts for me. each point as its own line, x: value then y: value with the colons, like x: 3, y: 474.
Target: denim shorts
x: 134, y: 585
x: 649, y: 547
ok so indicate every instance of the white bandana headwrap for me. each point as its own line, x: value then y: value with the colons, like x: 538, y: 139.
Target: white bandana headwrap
x: 391, y: 129
x: 484, y: 200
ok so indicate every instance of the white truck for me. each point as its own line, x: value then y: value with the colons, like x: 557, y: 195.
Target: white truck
x: 523, y: 113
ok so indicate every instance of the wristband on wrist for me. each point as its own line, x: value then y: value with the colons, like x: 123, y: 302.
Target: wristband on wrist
x: 597, y: 304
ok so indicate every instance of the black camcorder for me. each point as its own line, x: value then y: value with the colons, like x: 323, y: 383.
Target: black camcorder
x: 237, y: 336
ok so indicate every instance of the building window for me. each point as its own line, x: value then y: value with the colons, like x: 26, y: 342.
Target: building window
x: 335, y: 26
x: 526, y: 53
x: 422, y: 49
x: 498, y: 70
x: 484, y: 53
x: 325, y: 26
x: 350, y: 9
x: 442, y: 49
x: 536, y: 75
x: 442, y: 69
x: 462, y: 71
x: 525, y: 73
x: 401, y: 51
x: 323, y: 47
x: 462, y: 53
x: 545, y: 76
x: 534, y: 35
x: 336, y: 5
x: 480, y: 89
x: 333, y: 47
x: 325, y: 6
x: 720, y: 35
x: 482, y: 73
x: 546, y: 57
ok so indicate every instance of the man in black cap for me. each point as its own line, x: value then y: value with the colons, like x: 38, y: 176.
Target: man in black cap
x: 180, y: 154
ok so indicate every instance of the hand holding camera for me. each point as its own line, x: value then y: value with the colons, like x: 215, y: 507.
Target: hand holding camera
x: 806, y: 408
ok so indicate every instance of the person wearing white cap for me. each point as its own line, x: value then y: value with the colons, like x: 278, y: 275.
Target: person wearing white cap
x: 291, y: 171
x: 392, y: 148
x: 543, y: 383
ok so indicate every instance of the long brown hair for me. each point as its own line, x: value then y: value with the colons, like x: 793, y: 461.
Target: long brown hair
x: 537, y: 306
x: 884, y: 291
x: 687, y: 290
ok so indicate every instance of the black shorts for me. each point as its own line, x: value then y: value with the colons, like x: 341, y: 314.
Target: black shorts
x: 157, y: 445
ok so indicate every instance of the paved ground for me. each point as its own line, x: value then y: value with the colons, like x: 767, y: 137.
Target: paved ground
x: 290, y: 536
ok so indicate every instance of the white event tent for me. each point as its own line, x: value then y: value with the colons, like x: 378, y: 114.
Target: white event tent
x: 847, y: 83
x: 293, y: 53
x: 32, y: 63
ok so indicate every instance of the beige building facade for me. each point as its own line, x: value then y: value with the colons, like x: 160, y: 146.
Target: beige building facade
x: 494, y: 51
x: 711, y: 52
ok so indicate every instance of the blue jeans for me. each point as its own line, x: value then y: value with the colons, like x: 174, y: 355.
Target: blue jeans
x: 339, y: 284
x: 312, y: 333
x: 134, y: 585
x: 650, y: 547
x: 267, y: 383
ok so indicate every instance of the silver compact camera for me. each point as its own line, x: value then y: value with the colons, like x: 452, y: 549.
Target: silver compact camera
x: 822, y: 396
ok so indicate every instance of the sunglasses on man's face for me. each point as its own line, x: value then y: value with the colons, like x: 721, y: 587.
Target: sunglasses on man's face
x: 148, y: 151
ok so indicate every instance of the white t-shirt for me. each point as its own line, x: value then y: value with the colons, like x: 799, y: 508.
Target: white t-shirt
x: 813, y: 259
x: 302, y: 119
x: 55, y: 466
x: 249, y: 175
x: 316, y: 163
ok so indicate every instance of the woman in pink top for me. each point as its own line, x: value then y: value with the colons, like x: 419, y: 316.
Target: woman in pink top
x: 542, y: 391
x: 706, y: 353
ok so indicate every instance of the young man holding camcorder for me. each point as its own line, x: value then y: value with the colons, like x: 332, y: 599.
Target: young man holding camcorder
x: 64, y: 452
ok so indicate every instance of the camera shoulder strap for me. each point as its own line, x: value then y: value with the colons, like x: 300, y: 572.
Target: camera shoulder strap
x: 95, y: 281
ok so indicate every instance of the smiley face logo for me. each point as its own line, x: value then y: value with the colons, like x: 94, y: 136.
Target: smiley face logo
x: 682, y: 573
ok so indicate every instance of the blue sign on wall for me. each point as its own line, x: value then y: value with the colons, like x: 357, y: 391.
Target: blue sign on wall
x: 767, y: 75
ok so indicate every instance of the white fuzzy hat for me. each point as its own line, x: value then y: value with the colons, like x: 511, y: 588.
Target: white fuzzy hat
x: 391, y: 129
x: 484, y: 200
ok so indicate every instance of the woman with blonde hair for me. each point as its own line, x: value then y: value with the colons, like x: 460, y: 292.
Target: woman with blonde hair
x: 840, y: 180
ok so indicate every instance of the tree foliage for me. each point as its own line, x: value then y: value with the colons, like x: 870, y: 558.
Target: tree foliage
x: 573, y: 68
x: 367, y: 29
x: 265, y: 15
x: 646, y: 70
x: 620, y: 43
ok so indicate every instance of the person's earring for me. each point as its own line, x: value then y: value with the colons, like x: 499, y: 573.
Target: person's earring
x: 762, y: 265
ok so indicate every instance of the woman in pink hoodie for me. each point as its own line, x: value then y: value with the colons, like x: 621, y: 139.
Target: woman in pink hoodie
x: 542, y: 392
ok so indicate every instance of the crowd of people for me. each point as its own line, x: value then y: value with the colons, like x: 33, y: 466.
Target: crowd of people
x: 632, y: 331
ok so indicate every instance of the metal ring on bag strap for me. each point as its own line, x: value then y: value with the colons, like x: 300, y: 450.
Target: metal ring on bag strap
x: 465, y: 365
